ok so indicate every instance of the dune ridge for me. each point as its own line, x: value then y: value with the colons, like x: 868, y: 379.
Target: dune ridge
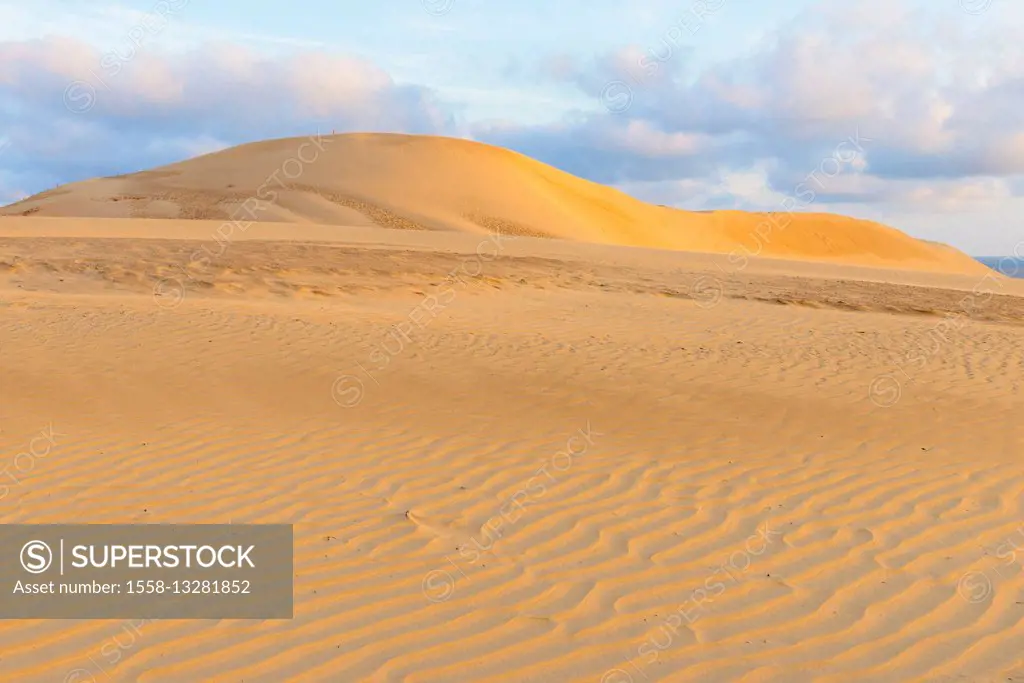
x: 434, y: 183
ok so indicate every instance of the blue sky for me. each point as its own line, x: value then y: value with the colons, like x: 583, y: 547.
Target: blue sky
x: 698, y: 104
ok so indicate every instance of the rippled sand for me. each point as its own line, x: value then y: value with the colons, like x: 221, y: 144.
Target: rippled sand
x: 551, y: 462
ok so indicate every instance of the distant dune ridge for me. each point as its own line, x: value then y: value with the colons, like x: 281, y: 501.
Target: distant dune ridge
x: 435, y: 183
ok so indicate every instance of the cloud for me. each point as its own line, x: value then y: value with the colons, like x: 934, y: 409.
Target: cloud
x: 938, y: 99
x: 931, y: 97
x: 71, y: 112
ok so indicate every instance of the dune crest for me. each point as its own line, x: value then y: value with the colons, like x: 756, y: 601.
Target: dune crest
x: 434, y: 183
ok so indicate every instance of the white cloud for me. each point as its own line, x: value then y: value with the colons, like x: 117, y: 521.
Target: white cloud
x: 73, y: 112
x: 937, y: 97
x: 938, y: 92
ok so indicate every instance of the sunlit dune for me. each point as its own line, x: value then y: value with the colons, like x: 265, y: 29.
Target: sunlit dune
x: 434, y: 183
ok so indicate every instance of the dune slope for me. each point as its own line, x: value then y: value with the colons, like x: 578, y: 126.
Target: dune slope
x: 433, y: 183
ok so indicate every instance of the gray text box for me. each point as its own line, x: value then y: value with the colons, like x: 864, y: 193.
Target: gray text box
x: 146, y: 571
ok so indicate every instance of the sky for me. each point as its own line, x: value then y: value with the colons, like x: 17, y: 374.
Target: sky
x: 907, y: 112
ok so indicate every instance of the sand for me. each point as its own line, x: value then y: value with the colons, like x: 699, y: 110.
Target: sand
x: 421, y: 183
x: 786, y: 471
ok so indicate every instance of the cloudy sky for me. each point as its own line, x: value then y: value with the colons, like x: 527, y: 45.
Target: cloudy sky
x: 909, y: 112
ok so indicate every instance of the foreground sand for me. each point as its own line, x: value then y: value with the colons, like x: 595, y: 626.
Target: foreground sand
x: 775, y: 476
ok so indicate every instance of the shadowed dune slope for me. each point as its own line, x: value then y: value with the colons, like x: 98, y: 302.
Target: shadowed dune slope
x: 434, y: 183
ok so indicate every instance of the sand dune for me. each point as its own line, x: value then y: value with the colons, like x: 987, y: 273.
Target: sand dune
x: 787, y: 472
x: 432, y: 183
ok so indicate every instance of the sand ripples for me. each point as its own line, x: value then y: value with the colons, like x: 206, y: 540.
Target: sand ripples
x: 553, y: 484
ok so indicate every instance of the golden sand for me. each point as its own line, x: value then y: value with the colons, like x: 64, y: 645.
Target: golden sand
x: 510, y: 458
